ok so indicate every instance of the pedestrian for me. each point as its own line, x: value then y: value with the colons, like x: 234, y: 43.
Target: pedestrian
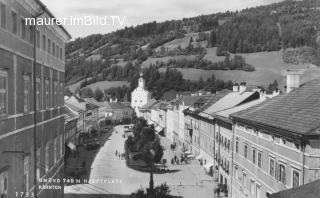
x: 116, y: 152
x: 172, y: 161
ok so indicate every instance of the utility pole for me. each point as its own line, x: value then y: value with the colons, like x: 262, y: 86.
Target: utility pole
x: 35, y: 103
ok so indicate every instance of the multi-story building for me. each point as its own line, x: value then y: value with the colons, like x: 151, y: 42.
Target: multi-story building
x: 159, y: 116
x: 199, y: 130
x: 145, y: 110
x: 209, y: 129
x: 175, y: 117
x: 71, y: 132
x: 26, y: 156
x: 276, y: 143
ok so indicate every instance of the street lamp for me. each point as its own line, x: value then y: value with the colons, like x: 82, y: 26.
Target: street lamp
x: 151, y: 190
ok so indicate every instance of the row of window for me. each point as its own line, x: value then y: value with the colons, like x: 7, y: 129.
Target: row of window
x: 256, y: 154
x: 4, y: 184
x: 250, y: 185
x: 273, y: 138
x: 276, y: 169
x: 45, y: 166
x: 27, y: 32
x: 57, y: 145
x: 44, y: 91
x: 224, y: 142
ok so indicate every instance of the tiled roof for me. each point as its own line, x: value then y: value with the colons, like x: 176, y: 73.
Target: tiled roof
x: 75, y: 98
x: 160, y: 105
x: 296, y: 112
x: 93, y: 102
x: 206, y: 101
x: 229, y: 101
x: 227, y: 112
x: 149, y: 104
x: 190, y: 100
x: 310, y: 190
x: 78, y: 107
x: 114, y: 105
x: 169, y: 95
x: 69, y: 114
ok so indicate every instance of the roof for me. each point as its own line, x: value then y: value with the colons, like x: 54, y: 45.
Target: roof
x: 309, y: 190
x: 206, y: 101
x: 69, y: 114
x: 190, y: 100
x: 227, y: 112
x: 149, y: 104
x: 229, y: 101
x: 169, y: 95
x: 296, y: 112
x: 93, y: 102
x: 78, y: 107
x: 114, y: 105
x: 74, y: 98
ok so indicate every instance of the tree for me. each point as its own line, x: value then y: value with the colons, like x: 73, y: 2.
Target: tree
x: 98, y: 94
x: 212, y: 39
x: 272, y: 86
x: 67, y: 92
x: 86, y: 92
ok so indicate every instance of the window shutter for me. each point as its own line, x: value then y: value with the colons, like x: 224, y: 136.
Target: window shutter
x: 277, y: 171
x: 284, y: 177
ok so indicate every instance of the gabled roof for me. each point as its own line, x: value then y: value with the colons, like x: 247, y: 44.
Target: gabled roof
x: 160, y: 105
x: 169, y: 95
x: 296, y: 112
x: 206, y: 101
x: 78, y: 107
x: 190, y: 100
x: 69, y: 114
x: 93, y: 102
x: 227, y: 112
x: 310, y: 190
x: 74, y: 98
x: 230, y: 100
x: 149, y: 104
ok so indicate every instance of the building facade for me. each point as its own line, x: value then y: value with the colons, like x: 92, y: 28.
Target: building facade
x: 25, y: 154
x: 276, y: 143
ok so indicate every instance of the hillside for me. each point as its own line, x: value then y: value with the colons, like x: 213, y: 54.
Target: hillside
x: 268, y: 67
x: 264, y: 40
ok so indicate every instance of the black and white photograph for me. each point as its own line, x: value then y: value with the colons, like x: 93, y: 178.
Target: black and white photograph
x: 159, y: 99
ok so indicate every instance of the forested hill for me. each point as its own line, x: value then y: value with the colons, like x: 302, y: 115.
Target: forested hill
x: 286, y: 25
x: 254, y: 29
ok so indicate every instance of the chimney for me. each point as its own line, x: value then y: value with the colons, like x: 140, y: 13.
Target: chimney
x: 263, y: 95
x: 293, y: 79
x: 276, y: 93
x: 242, y: 87
x: 235, y: 87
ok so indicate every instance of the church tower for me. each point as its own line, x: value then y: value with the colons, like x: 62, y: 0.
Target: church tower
x: 141, y: 81
x: 140, y: 96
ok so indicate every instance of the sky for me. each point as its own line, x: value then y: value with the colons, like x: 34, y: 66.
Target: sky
x: 121, y: 13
